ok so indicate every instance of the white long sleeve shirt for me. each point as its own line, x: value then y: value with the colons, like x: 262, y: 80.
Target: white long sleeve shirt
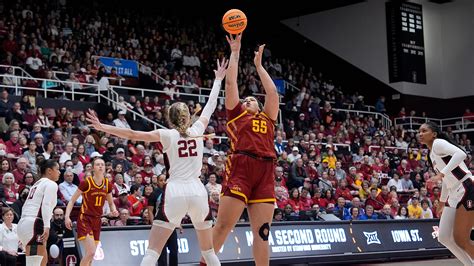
x: 43, y: 196
x: 449, y: 160
x: 8, y: 238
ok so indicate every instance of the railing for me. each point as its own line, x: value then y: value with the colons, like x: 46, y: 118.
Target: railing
x: 74, y: 91
x: 368, y: 108
x: 116, y: 105
x: 289, y: 86
x: 386, y: 122
x: 17, y: 70
x: 66, y: 74
x: 323, y: 143
x: 373, y: 147
x: 155, y: 75
x: 457, y: 124
x: 162, y: 81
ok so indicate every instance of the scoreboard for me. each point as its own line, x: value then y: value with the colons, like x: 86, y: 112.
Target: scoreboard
x: 406, y: 49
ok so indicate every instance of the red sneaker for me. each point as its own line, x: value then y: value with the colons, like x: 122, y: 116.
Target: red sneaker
x: 202, y: 263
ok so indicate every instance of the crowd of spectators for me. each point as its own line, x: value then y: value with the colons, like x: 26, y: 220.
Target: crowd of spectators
x: 329, y: 162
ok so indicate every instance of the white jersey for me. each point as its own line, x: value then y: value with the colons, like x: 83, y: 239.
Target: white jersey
x: 184, y: 155
x: 449, y: 160
x: 41, y: 201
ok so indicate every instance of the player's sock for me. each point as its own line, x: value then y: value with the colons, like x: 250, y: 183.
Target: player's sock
x: 210, y: 257
x: 150, y: 258
x: 33, y: 260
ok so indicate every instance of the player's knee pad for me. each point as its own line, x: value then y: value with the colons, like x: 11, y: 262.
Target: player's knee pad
x: 264, y: 231
x: 164, y: 224
x: 202, y: 225
x: 33, y: 260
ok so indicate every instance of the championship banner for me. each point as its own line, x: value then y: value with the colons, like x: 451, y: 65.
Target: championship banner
x: 124, y: 67
x: 298, y: 241
x: 406, y: 47
x: 280, y: 85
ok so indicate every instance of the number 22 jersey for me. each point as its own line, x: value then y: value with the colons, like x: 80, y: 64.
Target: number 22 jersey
x: 183, y: 156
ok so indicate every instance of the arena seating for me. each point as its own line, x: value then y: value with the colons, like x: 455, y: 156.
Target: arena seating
x: 334, y: 151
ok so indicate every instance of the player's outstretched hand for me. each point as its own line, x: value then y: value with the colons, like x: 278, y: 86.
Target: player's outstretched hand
x: 114, y: 213
x: 68, y: 223
x: 221, y: 69
x: 93, y: 119
x: 258, y: 56
x: 234, y: 43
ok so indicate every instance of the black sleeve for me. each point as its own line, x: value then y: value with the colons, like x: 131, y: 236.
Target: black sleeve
x: 153, y: 198
x: 76, y: 181
x: 2, y: 193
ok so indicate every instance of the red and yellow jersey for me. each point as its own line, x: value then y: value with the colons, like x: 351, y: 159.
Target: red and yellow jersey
x: 253, y: 133
x: 94, y: 196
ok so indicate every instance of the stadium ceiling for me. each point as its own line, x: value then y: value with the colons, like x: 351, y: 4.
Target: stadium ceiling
x: 273, y: 10
x: 295, y: 8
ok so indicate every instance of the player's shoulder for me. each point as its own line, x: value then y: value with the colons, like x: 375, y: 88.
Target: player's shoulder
x: 267, y: 117
x: 52, y: 184
x: 439, y: 144
x: 46, y: 182
x: 169, y: 132
x: 439, y: 141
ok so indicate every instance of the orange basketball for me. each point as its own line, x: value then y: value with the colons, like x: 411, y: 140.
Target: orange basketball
x: 234, y: 21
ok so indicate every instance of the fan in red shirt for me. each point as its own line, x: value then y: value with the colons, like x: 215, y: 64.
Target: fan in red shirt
x: 294, y: 200
x: 13, y: 147
x: 365, y: 167
x: 343, y: 190
x: 468, y: 115
x: 385, y: 194
x: 147, y: 106
x: 317, y: 199
x: 305, y: 200
x: 377, y: 165
x: 94, y: 190
x: 138, y: 157
x: 375, y: 200
x: 147, y: 173
x: 137, y: 200
x: 281, y: 197
x: 404, y: 168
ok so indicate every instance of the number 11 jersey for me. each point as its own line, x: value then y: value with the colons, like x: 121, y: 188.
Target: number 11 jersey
x: 94, y: 196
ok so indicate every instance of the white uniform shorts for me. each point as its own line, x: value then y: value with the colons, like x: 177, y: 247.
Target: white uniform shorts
x: 29, y: 230
x: 462, y: 195
x: 181, y: 198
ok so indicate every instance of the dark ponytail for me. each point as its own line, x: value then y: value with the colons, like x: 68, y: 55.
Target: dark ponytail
x: 47, y: 164
x: 441, y: 135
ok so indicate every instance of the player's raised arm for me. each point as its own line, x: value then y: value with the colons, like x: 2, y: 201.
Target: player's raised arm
x: 231, y: 87
x: 272, y: 100
x: 152, y: 136
x: 212, y: 101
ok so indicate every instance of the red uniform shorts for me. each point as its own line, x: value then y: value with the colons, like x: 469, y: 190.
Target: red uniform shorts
x: 251, y: 179
x: 88, y: 225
